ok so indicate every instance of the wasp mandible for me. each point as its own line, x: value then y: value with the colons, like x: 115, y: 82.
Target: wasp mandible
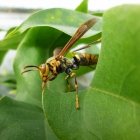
x: 58, y: 63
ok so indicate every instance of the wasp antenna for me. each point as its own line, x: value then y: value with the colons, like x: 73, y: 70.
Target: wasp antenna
x: 27, y: 71
x: 31, y: 66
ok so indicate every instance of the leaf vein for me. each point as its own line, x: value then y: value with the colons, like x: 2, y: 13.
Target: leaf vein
x: 116, y: 96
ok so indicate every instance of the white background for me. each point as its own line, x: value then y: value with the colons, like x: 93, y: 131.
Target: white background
x: 70, y: 4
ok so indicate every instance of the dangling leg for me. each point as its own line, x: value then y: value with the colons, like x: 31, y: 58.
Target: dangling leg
x: 45, y: 79
x: 76, y: 87
x: 68, y: 82
x: 88, y: 45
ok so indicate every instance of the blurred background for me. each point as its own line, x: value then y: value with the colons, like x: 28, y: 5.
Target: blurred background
x: 13, y: 13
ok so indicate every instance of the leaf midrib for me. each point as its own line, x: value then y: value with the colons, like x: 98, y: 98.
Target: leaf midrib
x: 116, y: 96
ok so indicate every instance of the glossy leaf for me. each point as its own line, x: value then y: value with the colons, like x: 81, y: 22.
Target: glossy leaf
x: 52, y: 18
x: 110, y: 107
x: 4, y: 52
x: 20, y: 120
x: 7, y: 85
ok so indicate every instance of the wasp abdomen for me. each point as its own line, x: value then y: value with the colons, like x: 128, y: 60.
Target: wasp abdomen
x: 85, y: 59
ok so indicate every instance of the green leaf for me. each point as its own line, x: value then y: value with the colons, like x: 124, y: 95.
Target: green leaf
x: 7, y: 85
x: 20, y: 120
x: 99, y: 14
x: 52, y: 18
x: 12, y: 42
x: 2, y: 54
x: 110, y: 107
x: 83, y: 7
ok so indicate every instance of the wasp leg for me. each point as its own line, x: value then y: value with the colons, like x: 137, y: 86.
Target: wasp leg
x: 43, y: 85
x: 51, y: 78
x: 88, y: 45
x: 68, y: 82
x: 76, y: 87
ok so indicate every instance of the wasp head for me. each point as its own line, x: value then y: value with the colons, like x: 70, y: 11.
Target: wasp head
x: 44, y: 72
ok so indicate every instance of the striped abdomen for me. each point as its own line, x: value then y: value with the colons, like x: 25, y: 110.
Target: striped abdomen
x: 85, y: 59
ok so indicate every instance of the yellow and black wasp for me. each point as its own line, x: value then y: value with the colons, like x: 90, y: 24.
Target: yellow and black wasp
x: 58, y: 63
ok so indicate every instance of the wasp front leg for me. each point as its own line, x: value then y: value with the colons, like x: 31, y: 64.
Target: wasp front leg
x: 76, y: 87
x: 45, y: 79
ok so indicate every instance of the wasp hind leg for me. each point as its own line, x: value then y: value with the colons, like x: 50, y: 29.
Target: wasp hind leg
x: 76, y: 87
x: 88, y: 45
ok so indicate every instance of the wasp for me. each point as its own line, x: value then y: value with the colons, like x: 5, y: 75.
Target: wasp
x: 58, y: 63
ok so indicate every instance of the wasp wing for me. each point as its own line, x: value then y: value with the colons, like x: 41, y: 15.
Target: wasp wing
x: 78, y: 34
x: 57, y: 51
